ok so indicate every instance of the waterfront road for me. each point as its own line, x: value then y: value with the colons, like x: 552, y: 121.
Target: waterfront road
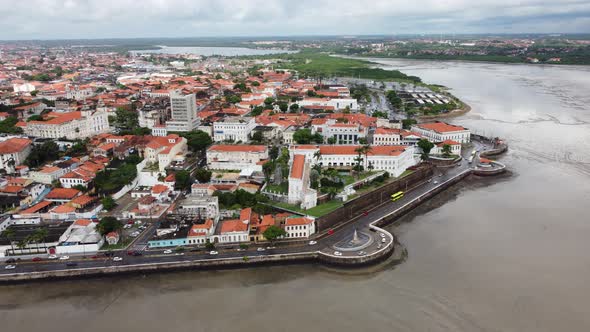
x: 324, y: 243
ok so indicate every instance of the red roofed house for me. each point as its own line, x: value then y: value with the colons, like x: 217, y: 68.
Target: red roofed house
x: 62, y: 194
x: 299, y: 227
x: 455, y: 147
x: 112, y: 238
x: 165, y: 149
x: 13, y: 152
x: 199, y: 233
x: 237, y: 230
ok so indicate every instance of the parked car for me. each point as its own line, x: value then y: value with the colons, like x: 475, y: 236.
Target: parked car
x: 10, y: 261
x: 64, y: 258
x: 213, y: 252
x: 167, y: 251
x: 337, y: 253
x: 117, y: 259
x: 10, y: 267
x: 330, y: 231
x: 313, y: 243
x: 260, y: 249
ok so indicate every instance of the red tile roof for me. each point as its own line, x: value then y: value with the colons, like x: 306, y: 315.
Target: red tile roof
x: 62, y: 193
x: 298, y: 221
x: 14, y: 145
x: 297, y: 167
x: 440, y: 127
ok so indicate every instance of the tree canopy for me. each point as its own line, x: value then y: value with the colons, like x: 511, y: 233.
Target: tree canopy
x: 273, y: 233
x: 108, y: 224
x: 304, y: 136
x: 197, y: 140
x: 183, y: 180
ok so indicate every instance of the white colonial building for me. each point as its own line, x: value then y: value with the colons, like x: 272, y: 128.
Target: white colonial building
x: 299, y: 190
x: 394, y: 159
x: 237, y: 157
x: 336, y: 103
x: 440, y: 131
x: 71, y: 125
x: 233, y: 129
x: 166, y: 149
x: 299, y: 227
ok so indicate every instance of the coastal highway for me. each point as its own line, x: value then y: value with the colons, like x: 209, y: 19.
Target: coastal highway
x: 324, y: 243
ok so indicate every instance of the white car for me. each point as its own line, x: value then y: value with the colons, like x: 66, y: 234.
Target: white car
x: 268, y: 248
x: 117, y: 259
x: 179, y: 254
x: 382, y: 234
x: 313, y: 243
x: 241, y: 249
x: 63, y: 258
x: 52, y: 257
x: 435, y: 182
x: 213, y: 252
x: 168, y: 251
x: 383, y: 240
x: 10, y: 267
x: 337, y: 253
x: 260, y: 249
x: 361, y: 253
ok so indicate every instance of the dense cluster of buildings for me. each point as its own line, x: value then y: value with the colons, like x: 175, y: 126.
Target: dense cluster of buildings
x: 70, y: 99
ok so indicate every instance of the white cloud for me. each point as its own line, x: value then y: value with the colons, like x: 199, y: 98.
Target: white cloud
x: 175, y: 18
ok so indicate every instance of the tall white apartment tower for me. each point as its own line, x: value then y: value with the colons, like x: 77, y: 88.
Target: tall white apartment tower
x: 184, y: 112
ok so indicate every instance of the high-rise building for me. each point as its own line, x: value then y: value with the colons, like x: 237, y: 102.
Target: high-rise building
x: 184, y: 115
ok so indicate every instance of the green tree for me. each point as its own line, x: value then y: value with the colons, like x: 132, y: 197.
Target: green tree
x: 183, y: 180
x: 9, y: 234
x: 8, y: 126
x: 202, y: 175
x: 407, y: 123
x: 42, y: 153
x: 35, y: 117
x: 294, y: 108
x: 425, y: 145
x: 446, y: 150
x: 272, y: 233
x: 256, y: 111
x: 126, y: 119
x: 108, y: 203
x: 108, y: 224
x: 197, y: 140
x: 303, y: 136
x: 257, y: 137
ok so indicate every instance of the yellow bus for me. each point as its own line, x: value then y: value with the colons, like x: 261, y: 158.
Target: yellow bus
x: 397, y: 196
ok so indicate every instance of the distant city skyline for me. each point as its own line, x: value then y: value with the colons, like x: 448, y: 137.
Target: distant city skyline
x: 72, y: 19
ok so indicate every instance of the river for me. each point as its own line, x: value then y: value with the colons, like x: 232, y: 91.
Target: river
x: 507, y: 254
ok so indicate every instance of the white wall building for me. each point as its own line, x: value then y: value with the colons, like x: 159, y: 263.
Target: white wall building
x: 233, y: 129
x: 299, y: 190
x: 299, y: 227
x: 336, y: 103
x: 13, y: 152
x: 440, y: 131
x: 72, y: 125
x: 184, y: 115
x: 237, y: 157
x: 164, y: 150
x: 394, y: 159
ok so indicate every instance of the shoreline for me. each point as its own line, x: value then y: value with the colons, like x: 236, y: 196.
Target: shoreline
x: 452, y: 114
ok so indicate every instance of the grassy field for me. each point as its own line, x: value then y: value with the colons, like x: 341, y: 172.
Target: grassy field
x: 317, y: 211
x: 281, y: 188
x: 315, y: 64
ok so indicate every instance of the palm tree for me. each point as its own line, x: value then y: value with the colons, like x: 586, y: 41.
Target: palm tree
x: 317, y: 155
x: 40, y: 235
x: 9, y: 233
x: 22, y: 244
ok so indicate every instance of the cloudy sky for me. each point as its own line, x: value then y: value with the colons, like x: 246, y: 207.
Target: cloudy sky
x: 60, y: 19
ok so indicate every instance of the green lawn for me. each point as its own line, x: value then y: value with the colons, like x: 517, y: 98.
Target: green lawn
x: 317, y: 211
x: 282, y: 188
x: 313, y: 63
